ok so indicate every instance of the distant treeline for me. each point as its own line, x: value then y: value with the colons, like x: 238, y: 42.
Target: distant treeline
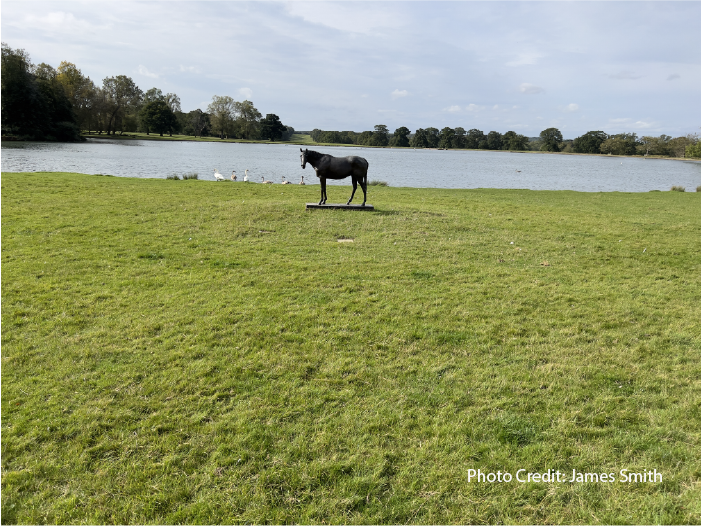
x: 549, y: 140
x: 40, y: 102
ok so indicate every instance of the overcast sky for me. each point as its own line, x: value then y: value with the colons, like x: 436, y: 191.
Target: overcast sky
x: 522, y: 66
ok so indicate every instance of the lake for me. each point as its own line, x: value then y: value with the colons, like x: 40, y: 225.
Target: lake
x: 412, y: 168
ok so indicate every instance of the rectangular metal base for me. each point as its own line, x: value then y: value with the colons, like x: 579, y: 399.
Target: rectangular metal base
x: 334, y: 206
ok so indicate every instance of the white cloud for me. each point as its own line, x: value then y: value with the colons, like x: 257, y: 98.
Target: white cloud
x: 189, y: 69
x: 530, y: 89
x: 643, y: 125
x: 571, y: 107
x: 525, y: 59
x: 246, y: 93
x: 146, y: 73
x: 624, y: 75
x: 399, y: 93
x: 674, y: 76
x: 473, y: 107
x: 452, y: 109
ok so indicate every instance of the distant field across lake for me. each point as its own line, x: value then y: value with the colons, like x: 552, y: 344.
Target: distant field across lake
x: 398, y: 167
x: 200, y: 352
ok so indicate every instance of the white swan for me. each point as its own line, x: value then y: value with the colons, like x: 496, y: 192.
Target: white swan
x: 233, y: 175
x: 245, y: 177
x: 218, y: 176
x: 285, y: 182
x: 266, y: 182
x: 302, y: 181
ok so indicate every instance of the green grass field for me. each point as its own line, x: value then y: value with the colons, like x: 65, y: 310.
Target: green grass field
x: 201, y: 352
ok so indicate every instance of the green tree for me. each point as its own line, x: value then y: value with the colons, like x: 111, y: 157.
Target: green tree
x: 432, y: 136
x: 158, y: 116
x: 678, y: 145
x: 474, y: 138
x: 380, y: 136
x: 365, y: 138
x: 121, y: 94
x: 621, y: 144
x: 419, y: 140
x: 222, y: 114
x: 272, y: 128
x: 494, y: 140
x: 248, y: 119
x: 459, y: 138
x: 80, y: 90
x: 693, y: 150
x: 400, y: 137
x: 551, y: 139
x: 514, y: 141
x: 446, y: 138
x: 34, y: 103
x: 590, y: 142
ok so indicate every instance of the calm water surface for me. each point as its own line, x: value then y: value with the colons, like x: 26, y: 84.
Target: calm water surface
x: 413, y: 168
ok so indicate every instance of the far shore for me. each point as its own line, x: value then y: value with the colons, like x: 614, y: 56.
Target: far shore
x: 306, y: 140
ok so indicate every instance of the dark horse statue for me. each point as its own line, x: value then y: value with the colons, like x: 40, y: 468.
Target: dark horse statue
x: 330, y: 167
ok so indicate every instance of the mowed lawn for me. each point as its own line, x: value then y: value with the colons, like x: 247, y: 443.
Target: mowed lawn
x: 201, y: 352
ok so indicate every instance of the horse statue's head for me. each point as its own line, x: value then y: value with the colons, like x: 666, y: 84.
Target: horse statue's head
x: 303, y: 157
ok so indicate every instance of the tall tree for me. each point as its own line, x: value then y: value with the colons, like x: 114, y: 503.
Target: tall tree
x: 514, y: 141
x: 381, y: 136
x: 400, y: 137
x: 474, y: 138
x: 121, y: 92
x: 494, y: 140
x: 432, y: 136
x: 156, y: 115
x: 80, y: 90
x: 173, y: 102
x: 222, y: 112
x: 446, y: 138
x: 34, y: 103
x: 248, y: 119
x: 551, y: 139
x: 620, y: 144
x: 272, y: 128
x: 459, y: 139
x: 419, y: 140
x: 590, y: 142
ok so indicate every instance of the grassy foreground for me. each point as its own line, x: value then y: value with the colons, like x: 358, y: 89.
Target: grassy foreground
x: 200, y: 352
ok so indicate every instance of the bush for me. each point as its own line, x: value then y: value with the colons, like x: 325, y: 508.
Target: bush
x: 173, y: 176
x: 698, y: 188
x: 378, y: 183
x: 189, y: 176
x: 678, y: 189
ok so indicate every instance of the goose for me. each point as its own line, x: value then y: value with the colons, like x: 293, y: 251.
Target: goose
x: 285, y: 182
x: 218, y: 176
x: 266, y: 182
x: 233, y: 175
x: 302, y: 181
x: 245, y: 177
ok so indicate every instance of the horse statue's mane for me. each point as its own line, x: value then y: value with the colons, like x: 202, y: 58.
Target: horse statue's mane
x: 313, y: 155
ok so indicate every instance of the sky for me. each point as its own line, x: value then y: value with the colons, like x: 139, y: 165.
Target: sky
x: 518, y: 65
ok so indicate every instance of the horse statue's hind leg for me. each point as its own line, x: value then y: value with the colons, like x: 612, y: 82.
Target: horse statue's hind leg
x: 355, y: 187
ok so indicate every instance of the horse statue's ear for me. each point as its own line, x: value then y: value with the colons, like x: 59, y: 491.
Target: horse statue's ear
x: 300, y: 149
x: 306, y: 150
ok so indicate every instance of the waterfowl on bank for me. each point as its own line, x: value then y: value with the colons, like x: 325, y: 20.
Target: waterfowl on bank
x: 302, y: 181
x: 285, y: 182
x: 218, y: 176
x: 233, y: 175
x: 266, y: 182
x: 245, y: 176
